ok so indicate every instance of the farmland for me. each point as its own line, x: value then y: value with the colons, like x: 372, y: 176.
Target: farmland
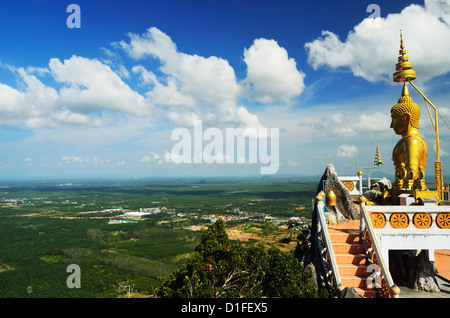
x: 46, y: 226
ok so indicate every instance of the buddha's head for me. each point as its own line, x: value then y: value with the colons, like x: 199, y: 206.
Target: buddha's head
x: 405, y: 114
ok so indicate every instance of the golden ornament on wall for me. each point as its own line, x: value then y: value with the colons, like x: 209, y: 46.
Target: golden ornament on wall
x: 443, y: 220
x: 378, y: 220
x: 399, y: 220
x: 422, y: 220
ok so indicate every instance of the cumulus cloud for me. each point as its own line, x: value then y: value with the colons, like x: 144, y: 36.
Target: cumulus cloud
x: 164, y: 95
x: 92, y: 86
x: 206, y: 79
x: 206, y: 88
x: 33, y: 106
x: 332, y: 125
x: 272, y: 77
x: 188, y: 87
x: 13, y: 108
x: 88, y: 87
x: 151, y: 158
x: 193, y: 87
x: 347, y: 151
x: 370, y: 48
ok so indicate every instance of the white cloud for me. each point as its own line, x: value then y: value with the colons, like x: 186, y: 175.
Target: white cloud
x: 370, y: 50
x: 13, y: 108
x: 146, y: 159
x: 206, y: 79
x: 86, y: 161
x: 93, y: 87
x: 196, y: 87
x: 91, y: 92
x: 168, y: 157
x: 34, y: 103
x: 94, y: 112
x: 121, y: 163
x: 327, y: 124
x: 347, y: 151
x: 294, y: 163
x: 89, y: 87
x: 152, y: 157
x: 168, y: 95
x: 40, y: 71
x: 272, y: 77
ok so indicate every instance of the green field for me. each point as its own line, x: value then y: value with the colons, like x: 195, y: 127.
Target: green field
x: 44, y: 228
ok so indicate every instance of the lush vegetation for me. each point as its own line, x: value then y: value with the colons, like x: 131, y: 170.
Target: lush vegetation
x: 221, y: 268
x: 37, y: 252
x: 44, y: 228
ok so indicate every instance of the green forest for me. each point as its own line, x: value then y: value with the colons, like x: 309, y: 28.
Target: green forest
x: 45, y: 227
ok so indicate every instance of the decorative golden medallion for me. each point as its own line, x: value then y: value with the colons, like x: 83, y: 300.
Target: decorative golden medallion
x: 349, y: 184
x: 399, y: 220
x: 443, y: 220
x: 378, y: 220
x: 422, y: 220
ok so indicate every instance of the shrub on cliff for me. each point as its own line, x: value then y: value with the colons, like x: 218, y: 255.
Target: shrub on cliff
x: 223, y: 268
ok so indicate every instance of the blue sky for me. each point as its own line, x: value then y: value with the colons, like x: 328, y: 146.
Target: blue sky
x: 103, y: 100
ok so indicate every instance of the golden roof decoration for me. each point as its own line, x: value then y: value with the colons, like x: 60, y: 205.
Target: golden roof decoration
x: 378, y: 160
x: 403, y: 68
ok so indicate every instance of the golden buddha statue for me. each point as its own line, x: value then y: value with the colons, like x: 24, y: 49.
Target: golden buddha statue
x: 410, y: 153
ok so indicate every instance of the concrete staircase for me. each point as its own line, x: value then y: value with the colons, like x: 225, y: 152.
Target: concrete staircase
x: 350, y: 257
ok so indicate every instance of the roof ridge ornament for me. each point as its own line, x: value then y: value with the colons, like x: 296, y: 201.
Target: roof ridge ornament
x: 404, y: 71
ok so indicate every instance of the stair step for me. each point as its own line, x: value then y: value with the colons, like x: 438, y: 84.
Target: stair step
x: 345, y: 238
x: 347, y: 259
x: 350, y: 257
x: 368, y: 293
x: 353, y: 270
x: 353, y: 281
x: 354, y: 249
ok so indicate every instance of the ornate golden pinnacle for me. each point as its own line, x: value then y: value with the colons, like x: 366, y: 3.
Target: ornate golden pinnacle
x: 403, y: 67
x: 378, y: 160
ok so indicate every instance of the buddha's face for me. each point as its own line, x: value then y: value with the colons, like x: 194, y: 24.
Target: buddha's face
x: 399, y: 123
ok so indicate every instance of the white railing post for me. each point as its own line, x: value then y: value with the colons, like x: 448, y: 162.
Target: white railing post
x: 360, y: 182
x: 394, y: 291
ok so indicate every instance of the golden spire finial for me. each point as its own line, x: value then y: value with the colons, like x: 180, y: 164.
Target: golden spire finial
x: 378, y: 160
x: 403, y: 67
x: 402, y: 51
x: 401, y: 40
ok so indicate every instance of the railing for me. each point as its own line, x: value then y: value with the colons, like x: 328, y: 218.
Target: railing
x: 333, y: 279
x: 383, y: 279
x: 351, y: 183
x: 355, y: 184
